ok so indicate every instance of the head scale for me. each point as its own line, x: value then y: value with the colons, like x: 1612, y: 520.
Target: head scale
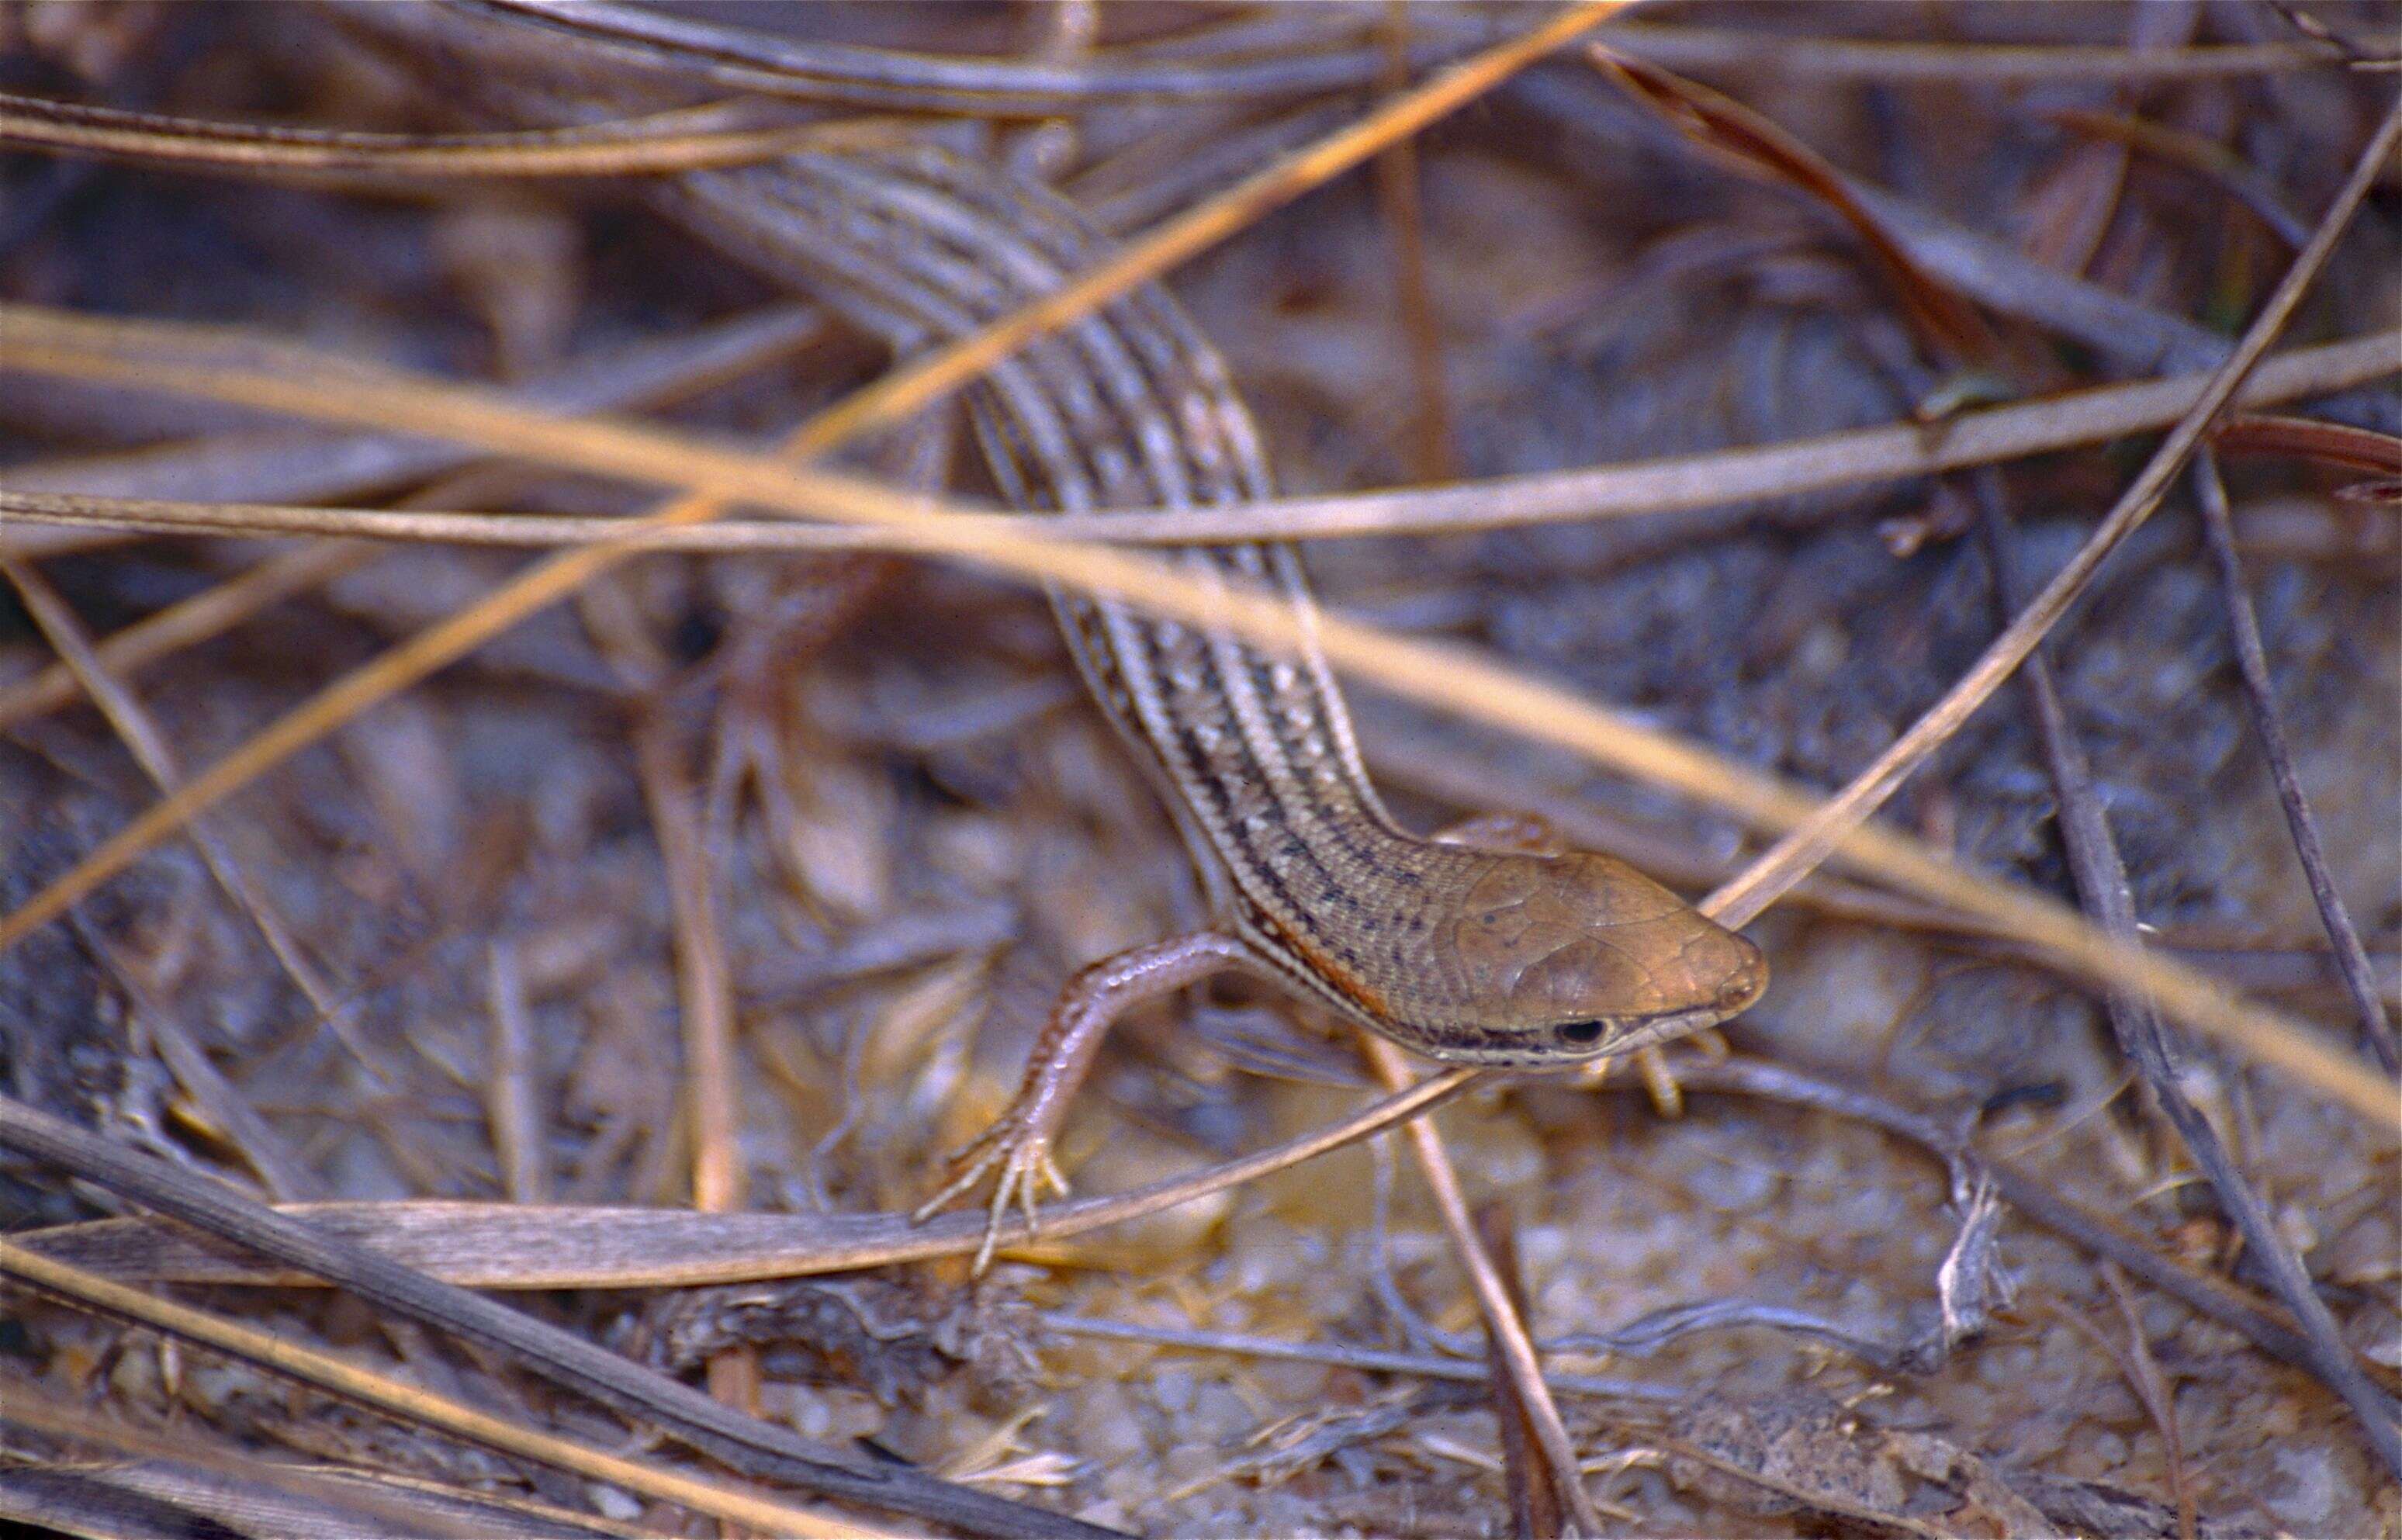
x: 1575, y: 956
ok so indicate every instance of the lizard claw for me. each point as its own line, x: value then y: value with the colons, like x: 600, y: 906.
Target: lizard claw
x: 1017, y: 1158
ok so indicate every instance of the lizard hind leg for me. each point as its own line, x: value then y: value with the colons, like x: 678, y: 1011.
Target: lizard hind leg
x: 1014, y: 1153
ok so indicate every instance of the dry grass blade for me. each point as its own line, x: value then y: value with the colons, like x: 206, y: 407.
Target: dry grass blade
x: 1441, y: 676
x: 223, y: 1110
x: 1373, y: 1360
x: 2158, y: 1397
x: 2327, y: 443
x: 692, y: 139
x: 512, y: 1098
x: 1628, y: 489
x: 386, y: 1394
x: 1432, y: 456
x: 1237, y: 59
x: 314, y: 466
x: 206, y: 1479
x: 704, y: 985
x: 2202, y: 155
x: 509, y: 1246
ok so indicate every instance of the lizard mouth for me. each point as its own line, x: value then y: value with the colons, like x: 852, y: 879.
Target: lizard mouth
x: 1641, y: 1031
x: 1603, y: 1038
x: 1566, y: 1044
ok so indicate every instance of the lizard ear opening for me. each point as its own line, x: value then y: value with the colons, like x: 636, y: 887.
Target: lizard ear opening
x: 1583, y: 1033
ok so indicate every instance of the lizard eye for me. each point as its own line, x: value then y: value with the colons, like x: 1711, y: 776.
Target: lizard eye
x: 1583, y: 1033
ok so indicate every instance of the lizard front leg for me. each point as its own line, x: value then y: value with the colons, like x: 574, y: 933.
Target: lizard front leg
x: 1015, y: 1151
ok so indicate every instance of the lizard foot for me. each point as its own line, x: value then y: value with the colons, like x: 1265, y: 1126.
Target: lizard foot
x: 1017, y: 1155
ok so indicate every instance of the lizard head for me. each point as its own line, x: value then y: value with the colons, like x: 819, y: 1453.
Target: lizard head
x: 1577, y: 956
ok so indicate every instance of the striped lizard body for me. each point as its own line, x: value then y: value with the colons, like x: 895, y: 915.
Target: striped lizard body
x: 1468, y: 954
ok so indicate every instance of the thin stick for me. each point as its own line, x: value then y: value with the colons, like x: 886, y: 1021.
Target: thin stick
x: 280, y: 1169
x: 1336, y: 1355
x: 2261, y: 694
x: 512, y: 1098
x: 265, y: 1494
x: 684, y: 140
x: 704, y: 982
x: 705, y: 1005
x: 646, y: 373
x: 2157, y: 1398
x: 1502, y: 1324
x: 1538, y: 1489
x: 1427, y: 435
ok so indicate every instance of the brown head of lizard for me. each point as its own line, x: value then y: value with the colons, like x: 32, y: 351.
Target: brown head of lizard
x: 1538, y: 960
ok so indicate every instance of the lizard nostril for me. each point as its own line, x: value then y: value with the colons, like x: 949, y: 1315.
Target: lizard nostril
x: 1581, y: 1033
